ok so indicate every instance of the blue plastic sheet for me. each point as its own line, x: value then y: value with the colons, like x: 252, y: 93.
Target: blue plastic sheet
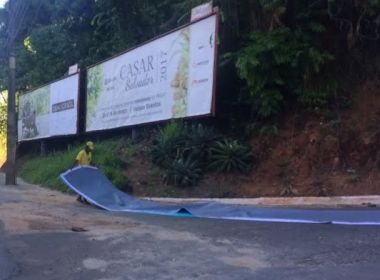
x: 93, y: 185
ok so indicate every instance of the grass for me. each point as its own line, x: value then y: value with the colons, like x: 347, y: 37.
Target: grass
x: 45, y: 170
x: 114, y: 156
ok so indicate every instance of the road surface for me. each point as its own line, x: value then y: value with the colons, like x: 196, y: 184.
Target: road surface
x: 48, y: 235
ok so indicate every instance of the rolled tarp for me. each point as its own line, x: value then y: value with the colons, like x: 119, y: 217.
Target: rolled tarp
x: 94, y: 186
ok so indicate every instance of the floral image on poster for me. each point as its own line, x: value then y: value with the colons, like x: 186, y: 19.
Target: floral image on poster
x: 180, y: 83
x: 28, y: 119
x: 32, y: 107
x: 94, y: 90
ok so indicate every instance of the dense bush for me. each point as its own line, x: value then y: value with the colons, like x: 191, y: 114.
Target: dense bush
x: 168, y: 143
x: 183, y: 172
x: 181, y: 150
x: 198, y: 140
x: 277, y: 66
x: 184, y: 151
x: 230, y: 155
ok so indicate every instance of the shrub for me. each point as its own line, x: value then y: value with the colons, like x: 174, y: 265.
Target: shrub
x: 268, y: 130
x: 127, y: 153
x: 198, y: 140
x: 167, y: 143
x: 184, y: 150
x: 230, y: 155
x: 181, y: 149
x: 178, y: 139
x: 183, y: 172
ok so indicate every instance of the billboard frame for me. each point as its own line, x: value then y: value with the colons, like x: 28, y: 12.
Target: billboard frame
x: 78, y: 108
x: 212, y: 113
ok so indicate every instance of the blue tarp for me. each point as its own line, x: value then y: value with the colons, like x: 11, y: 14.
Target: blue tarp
x: 93, y: 185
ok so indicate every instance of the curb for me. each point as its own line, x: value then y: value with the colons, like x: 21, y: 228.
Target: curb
x: 310, y: 202
x: 307, y: 202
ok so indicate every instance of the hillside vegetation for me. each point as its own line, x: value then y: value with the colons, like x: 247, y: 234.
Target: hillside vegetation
x: 297, y: 94
x: 177, y: 155
x: 45, y: 170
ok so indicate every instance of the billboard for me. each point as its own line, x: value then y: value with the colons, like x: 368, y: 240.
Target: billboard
x: 169, y: 77
x: 51, y: 110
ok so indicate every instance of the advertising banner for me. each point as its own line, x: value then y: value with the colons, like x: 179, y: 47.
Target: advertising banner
x: 170, y: 77
x: 51, y: 110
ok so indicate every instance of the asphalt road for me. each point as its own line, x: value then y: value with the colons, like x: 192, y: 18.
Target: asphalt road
x: 133, y: 246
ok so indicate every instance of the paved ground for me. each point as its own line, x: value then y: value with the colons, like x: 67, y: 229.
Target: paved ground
x: 37, y: 241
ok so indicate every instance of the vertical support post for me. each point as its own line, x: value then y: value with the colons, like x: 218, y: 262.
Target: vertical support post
x: 135, y: 134
x: 10, y: 178
x: 42, y: 148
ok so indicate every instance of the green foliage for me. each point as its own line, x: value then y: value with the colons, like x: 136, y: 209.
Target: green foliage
x: 185, y: 151
x: 229, y: 156
x: 106, y: 156
x: 168, y: 143
x: 281, y: 56
x: 260, y: 129
x: 115, y: 176
x: 181, y: 150
x: 117, y: 25
x: 3, y: 112
x: 183, y: 172
x: 55, y: 34
x: 45, y: 170
x: 3, y: 126
x: 127, y: 152
x: 177, y: 139
x: 277, y: 65
x: 198, y: 140
x: 268, y: 130
x: 315, y: 98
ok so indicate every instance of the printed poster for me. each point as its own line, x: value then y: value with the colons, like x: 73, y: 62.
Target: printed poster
x: 170, y: 77
x: 51, y: 110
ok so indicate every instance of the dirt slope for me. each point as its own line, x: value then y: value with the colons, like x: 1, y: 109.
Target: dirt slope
x: 321, y: 154
x: 316, y: 156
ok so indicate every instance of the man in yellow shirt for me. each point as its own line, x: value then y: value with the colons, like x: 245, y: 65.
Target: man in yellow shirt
x: 84, y: 157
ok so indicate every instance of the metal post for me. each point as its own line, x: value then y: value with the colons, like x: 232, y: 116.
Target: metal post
x: 135, y: 134
x: 42, y: 148
x: 10, y: 178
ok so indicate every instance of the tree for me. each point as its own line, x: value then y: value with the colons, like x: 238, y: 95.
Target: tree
x: 299, y: 37
x: 3, y: 126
